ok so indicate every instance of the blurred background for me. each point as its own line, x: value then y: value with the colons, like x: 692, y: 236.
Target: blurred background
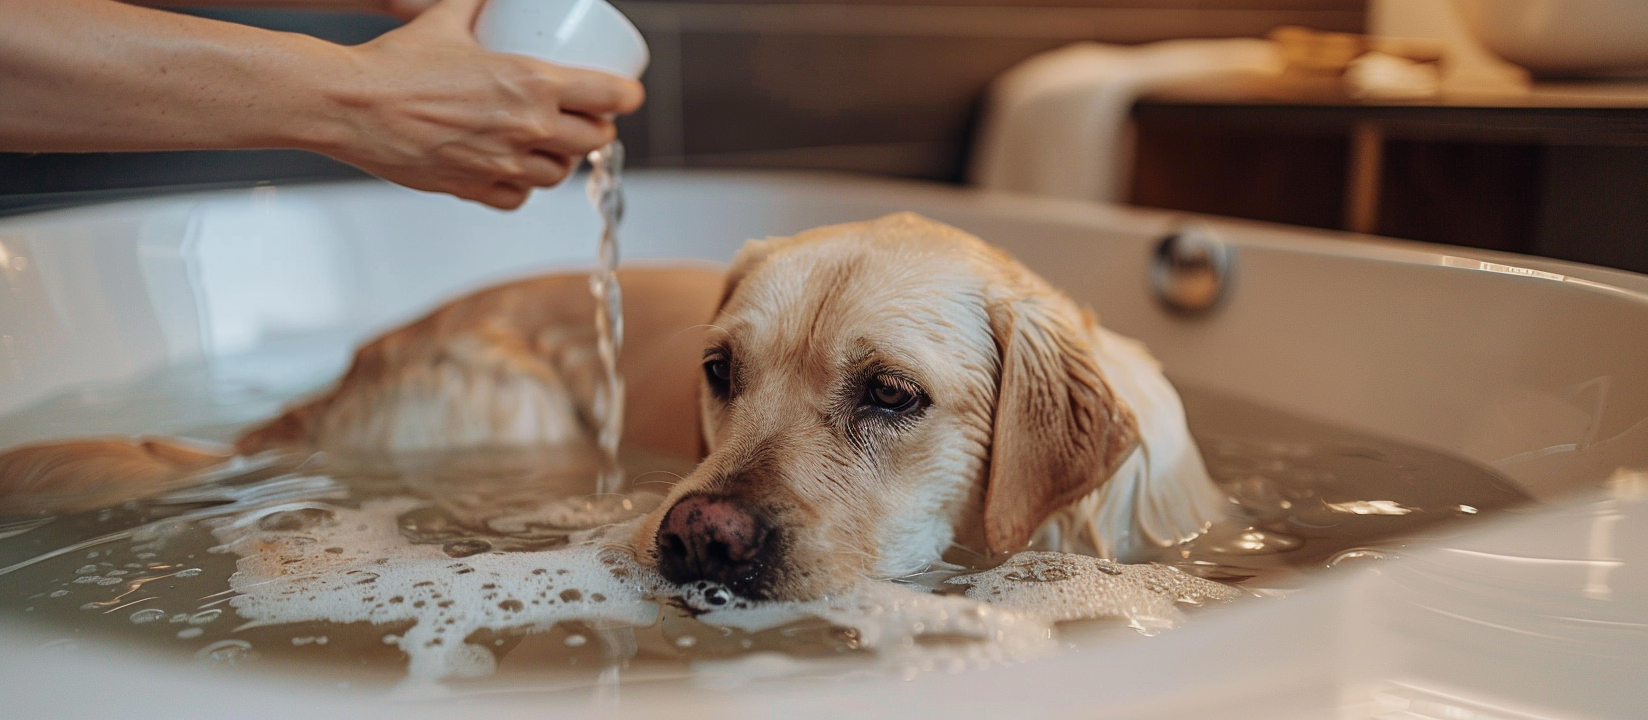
x: 901, y: 88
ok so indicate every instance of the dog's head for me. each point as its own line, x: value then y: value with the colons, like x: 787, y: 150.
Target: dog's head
x: 874, y: 393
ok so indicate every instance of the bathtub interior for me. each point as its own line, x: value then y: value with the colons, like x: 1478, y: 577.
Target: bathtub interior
x: 1530, y: 367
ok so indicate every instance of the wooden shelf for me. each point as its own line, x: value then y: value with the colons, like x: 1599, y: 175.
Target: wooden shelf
x: 1507, y: 172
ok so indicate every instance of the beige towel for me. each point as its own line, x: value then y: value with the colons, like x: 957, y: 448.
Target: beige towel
x: 1054, y: 124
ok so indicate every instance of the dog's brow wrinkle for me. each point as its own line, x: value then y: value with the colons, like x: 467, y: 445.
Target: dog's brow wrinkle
x: 864, y: 351
x: 734, y: 317
x: 835, y: 284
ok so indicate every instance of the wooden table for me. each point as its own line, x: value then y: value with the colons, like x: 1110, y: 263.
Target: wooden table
x: 1509, y: 172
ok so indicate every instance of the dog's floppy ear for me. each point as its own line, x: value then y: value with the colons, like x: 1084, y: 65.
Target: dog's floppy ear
x: 1059, y: 431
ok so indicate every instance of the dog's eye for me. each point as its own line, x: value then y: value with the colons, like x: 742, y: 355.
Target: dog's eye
x: 892, y: 394
x: 718, y: 373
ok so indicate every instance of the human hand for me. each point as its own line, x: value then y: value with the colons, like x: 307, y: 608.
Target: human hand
x: 425, y: 106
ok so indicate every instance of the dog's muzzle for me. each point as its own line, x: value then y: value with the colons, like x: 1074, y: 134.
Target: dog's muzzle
x: 717, y: 538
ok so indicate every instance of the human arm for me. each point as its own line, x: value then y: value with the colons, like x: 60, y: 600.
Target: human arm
x: 423, y: 105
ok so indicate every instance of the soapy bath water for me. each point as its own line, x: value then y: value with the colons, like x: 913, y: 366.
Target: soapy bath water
x: 491, y: 571
x: 606, y: 192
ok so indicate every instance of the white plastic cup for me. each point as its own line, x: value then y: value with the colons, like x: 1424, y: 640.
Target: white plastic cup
x: 580, y: 33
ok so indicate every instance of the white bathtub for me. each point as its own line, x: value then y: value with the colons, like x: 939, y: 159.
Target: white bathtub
x: 1537, y: 368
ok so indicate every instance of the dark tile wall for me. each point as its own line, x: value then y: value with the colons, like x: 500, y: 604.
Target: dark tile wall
x: 881, y: 86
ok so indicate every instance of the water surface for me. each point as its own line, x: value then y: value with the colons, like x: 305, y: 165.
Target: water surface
x: 493, y: 571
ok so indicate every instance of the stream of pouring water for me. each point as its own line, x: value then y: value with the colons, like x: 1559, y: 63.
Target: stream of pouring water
x: 605, y: 188
x: 606, y: 191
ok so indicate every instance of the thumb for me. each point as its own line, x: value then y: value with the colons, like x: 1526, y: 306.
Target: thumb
x: 456, y: 14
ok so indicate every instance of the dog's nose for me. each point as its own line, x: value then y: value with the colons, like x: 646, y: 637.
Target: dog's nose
x: 710, y: 537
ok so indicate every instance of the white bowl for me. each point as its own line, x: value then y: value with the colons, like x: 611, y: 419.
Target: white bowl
x: 582, y: 33
x: 1563, y: 38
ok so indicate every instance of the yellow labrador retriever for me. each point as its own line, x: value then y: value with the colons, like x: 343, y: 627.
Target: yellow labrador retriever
x: 866, y: 398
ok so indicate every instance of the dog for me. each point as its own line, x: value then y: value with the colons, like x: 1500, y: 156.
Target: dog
x: 875, y: 393
x: 511, y: 366
x: 72, y: 475
x: 867, y: 400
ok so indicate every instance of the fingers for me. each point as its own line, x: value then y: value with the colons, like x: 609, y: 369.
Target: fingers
x: 593, y: 92
x: 503, y: 196
x: 487, y: 127
x: 537, y: 169
x: 576, y: 135
x: 542, y: 169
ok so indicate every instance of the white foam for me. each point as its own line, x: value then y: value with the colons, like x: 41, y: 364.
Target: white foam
x: 306, y: 562
x: 893, y: 621
x: 1063, y: 587
x: 287, y: 575
x: 352, y: 565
